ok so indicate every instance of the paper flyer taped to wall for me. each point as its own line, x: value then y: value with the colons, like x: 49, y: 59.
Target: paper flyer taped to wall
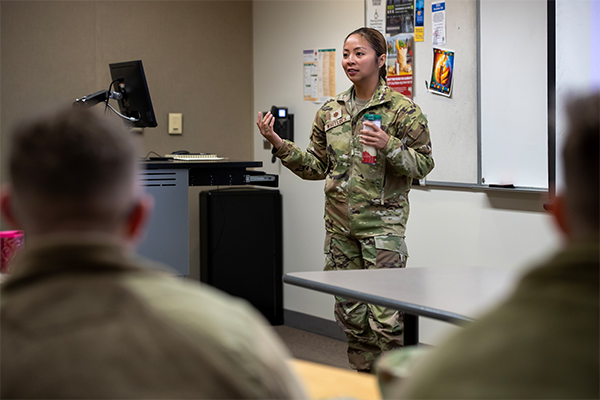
x: 438, y: 22
x: 442, y: 73
x: 400, y: 17
x: 400, y: 63
x: 310, y: 75
x: 375, y: 15
x: 419, y: 20
x: 319, y: 74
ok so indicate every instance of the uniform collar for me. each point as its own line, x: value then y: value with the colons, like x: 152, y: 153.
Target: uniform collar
x: 383, y: 94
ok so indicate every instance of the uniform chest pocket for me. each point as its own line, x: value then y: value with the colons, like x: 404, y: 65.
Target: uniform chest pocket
x: 339, y: 136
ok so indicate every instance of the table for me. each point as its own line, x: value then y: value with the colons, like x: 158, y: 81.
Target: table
x: 217, y: 172
x: 326, y: 382
x: 455, y: 295
x: 167, y: 234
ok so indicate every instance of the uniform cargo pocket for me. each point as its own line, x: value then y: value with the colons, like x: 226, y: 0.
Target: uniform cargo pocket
x: 392, y: 243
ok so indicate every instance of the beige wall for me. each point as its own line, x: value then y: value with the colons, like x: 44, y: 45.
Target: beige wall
x: 197, y: 57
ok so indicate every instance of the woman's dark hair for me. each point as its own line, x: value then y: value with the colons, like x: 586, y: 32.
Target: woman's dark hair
x: 377, y: 43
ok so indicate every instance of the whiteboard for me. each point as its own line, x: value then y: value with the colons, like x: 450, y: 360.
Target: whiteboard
x: 513, y: 90
x: 493, y: 129
x: 452, y: 121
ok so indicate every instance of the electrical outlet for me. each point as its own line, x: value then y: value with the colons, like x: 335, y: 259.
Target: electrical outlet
x: 175, y: 123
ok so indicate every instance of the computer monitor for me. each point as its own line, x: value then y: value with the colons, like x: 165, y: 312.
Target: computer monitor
x: 130, y: 81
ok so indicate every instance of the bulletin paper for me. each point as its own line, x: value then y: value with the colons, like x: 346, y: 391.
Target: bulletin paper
x: 375, y: 15
x: 419, y: 20
x: 400, y: 63
x: 438, y: 26
x: 442, y: 74
x: 319, y: 74
x: 326, y: 74
x: 310, y: 75
x: 400, y: 17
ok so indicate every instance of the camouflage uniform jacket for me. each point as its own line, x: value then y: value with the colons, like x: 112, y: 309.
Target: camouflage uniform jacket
x: 364, y: 200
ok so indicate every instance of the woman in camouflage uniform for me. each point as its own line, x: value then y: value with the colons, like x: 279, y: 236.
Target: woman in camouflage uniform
x: 366, y: 206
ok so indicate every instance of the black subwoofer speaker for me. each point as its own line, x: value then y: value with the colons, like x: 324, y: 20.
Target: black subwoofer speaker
x: 241, y: 246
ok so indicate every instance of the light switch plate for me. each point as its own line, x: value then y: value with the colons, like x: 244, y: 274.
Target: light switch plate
x: 175, y: 123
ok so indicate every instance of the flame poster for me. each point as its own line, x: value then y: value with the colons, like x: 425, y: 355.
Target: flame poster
x: 442, y: 73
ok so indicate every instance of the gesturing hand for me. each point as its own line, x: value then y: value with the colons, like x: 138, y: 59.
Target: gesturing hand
x: 265, y: 126
x: 376, y: 138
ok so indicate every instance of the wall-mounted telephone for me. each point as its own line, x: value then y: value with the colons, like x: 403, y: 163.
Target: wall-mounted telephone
x: 284, y: 124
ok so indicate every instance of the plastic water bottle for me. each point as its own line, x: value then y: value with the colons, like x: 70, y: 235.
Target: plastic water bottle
x: 369, y: 153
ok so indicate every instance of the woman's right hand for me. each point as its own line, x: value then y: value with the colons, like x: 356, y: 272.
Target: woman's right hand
x: 265, y: 126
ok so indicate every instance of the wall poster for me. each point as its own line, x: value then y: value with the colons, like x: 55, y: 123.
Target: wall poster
x: 375, y: 15
x: 310, y: 75
x: 400, y: 16
x: 438, y: 22
x: 319, y: 74
x: 419, y: 20
x: 442, y: 72
x: 400, y: 63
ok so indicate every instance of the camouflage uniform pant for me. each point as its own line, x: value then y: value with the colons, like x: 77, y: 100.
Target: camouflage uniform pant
x: 370, y: 329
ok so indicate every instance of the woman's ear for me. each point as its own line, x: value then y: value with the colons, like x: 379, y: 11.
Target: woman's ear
x: 381, y: 60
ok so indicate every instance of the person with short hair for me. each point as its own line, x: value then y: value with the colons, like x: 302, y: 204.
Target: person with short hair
x: 82, y: 316
x: 543, y: 342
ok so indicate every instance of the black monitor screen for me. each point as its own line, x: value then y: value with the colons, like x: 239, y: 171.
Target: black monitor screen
x: 132, y: 85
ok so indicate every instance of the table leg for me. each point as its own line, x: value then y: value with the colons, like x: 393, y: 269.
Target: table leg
x: 411, y: 329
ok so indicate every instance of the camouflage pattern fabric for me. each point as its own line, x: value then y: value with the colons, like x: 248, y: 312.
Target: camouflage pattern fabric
x: 366, y: 204
x: 363, y: 200
x: 370, y: 329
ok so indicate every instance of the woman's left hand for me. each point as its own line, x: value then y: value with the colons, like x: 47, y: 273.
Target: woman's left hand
x: 376, y: 138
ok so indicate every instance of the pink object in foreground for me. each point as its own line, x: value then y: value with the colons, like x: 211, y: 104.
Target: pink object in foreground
x: 10, y: 243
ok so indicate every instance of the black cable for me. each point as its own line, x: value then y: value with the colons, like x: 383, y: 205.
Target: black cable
x: 120, y: 79
x: 152, y: 152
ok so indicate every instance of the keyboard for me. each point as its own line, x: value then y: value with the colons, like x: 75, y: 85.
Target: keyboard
x: 195, y: 157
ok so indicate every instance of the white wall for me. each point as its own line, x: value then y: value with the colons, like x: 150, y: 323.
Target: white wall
x: 447, y: 228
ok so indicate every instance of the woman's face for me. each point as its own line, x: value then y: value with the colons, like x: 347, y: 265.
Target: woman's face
x: 359, y: 61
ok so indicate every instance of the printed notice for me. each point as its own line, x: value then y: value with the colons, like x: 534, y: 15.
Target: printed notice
x: 319, y: 74
x: 310, y: 75
x: 400, y: 17
x: 438, y: 26
x: 325, y: 73
x: 375, y: 15
x: 419, y: 20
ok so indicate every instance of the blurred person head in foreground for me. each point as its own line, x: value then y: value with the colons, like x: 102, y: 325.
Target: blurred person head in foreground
x: 543, y: 341
x: 82, y: 316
